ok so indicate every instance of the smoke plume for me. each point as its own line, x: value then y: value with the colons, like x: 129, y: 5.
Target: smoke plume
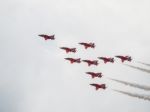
x: 140, y: 96
x: 143, y: 63
x: 138, y: 68
x: 146, y: 88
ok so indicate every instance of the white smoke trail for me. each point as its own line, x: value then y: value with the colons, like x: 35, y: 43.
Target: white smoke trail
x: 140, y: 96
x: 146, y: 88
x: 138, y: 68
x: 143, y: 63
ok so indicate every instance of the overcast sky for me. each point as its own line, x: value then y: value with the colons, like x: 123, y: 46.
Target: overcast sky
x: 34, y: 77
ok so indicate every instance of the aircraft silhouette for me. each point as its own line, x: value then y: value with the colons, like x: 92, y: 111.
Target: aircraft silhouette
x: 68, y: 49
x: 72, y: 60
x: 98, y: 86
x: 87, y: 45
x: 106, y: 59
x: 93, y: 75
x: 124, y: 58
x: 91, y: 62
x: 46, y: 37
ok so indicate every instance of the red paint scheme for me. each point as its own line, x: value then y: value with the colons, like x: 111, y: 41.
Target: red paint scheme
x: 93, y: 75
x: 124, y: 58
x: 68, y: 49
x: 87, y: 45
x: 98, y: 86
x: 106, y: 59
x: 72, y: 60
x: 90, y: 62
x: 46, y: 37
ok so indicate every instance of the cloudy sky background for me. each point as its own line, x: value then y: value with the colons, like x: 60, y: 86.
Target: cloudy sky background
x: 34, y: 77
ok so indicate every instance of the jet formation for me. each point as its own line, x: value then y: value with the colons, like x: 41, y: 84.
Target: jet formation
x: 89, y: 62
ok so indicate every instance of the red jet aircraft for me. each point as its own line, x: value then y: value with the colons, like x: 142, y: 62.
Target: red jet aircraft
x: 68, y: 49
x: 87, y: 45
x: 99, y: 75
x: 106, y: 59
x: 90, y: 62
x: 124, y: 58
x: 46, y: 37
x: 98, y: 86
x: 72, y: 60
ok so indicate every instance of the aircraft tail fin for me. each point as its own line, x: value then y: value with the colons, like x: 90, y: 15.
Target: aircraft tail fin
x: 97, y: 88
x: 74, y: 50
x: 79, y: 60
x: 112, y: 59
x: 103, y: 86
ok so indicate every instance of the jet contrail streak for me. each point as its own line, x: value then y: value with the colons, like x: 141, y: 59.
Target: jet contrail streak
x: 143, y: 63
x: 140, y: 96
x: 138, y: 68
x: 146, y: 88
